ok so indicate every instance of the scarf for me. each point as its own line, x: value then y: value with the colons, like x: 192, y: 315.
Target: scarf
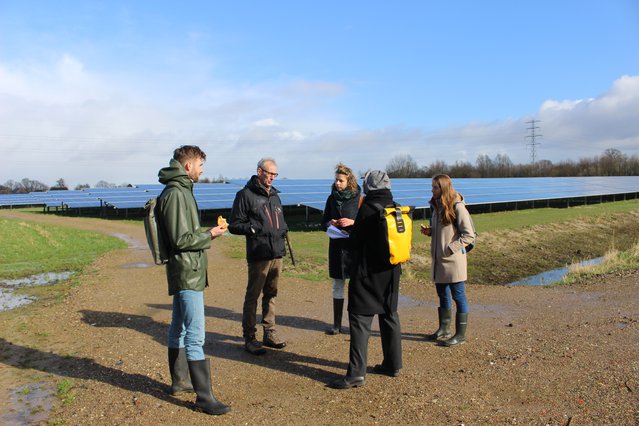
x: 341, y: 196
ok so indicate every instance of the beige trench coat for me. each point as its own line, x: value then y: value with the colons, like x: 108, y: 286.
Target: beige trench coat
x: 447, y: 245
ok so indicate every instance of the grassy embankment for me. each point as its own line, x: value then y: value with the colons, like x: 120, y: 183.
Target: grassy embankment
x: 29, y: 248
x: 511, y: 245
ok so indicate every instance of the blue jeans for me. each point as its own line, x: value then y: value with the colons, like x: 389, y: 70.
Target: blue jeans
x: 459, y: 296
x: 187, y: 324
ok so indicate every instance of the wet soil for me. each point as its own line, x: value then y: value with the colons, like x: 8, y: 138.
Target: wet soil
x: 534, y: 355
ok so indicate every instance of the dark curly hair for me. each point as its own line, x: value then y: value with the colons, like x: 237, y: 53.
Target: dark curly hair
x: 188, y: 152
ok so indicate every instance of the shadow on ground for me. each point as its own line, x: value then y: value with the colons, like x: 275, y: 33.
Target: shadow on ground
x: 223, y: 346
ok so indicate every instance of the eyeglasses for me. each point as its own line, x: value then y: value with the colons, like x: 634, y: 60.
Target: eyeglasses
x: 271, y: 174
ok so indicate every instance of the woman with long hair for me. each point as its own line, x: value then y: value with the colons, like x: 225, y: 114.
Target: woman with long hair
x: 451, y: 231
x: 340, y: 212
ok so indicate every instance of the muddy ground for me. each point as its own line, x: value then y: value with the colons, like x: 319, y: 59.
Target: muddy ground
x: 564, y: 355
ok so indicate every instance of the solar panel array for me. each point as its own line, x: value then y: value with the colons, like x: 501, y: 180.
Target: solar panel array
x: 313, y: 192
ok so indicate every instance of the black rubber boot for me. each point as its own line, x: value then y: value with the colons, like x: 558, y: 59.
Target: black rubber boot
x: 179, y: 368
x: 338, y: 309
x: 461, y: 321
x: 201, y: 378
x: 443, y: 332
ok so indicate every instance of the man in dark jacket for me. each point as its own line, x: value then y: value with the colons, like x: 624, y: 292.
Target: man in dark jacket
x: 374, y: 287
x: 257, y: 214
x: 186, y: 273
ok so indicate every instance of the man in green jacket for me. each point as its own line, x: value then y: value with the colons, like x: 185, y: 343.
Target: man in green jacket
x: 186, y: 273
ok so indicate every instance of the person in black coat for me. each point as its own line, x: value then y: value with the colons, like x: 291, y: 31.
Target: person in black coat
x: 340, y: 212
x: 258, y: 215
x: 374, y: 287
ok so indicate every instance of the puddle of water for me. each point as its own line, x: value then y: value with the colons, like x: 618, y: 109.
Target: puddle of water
x: 9, y: 300
x: 138, y: 265
x: 409, y: 302
x: 549, y: 277
x: 132, y: 243
x: 30, y: 404
x: 39, y: 279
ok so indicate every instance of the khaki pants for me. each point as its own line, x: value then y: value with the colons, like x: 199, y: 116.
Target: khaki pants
x: 263, y: 276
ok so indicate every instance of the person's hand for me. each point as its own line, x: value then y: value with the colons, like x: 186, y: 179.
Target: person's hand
x: 425, y: 230
x: 217, y: 231
x: 344, y: 222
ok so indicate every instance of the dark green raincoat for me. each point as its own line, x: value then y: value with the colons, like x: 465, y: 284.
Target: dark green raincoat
x: 180, y: 222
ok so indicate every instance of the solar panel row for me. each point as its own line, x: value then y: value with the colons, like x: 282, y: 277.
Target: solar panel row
x: 313, y: 192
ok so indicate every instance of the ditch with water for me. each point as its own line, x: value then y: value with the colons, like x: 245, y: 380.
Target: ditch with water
x: 554, y: 275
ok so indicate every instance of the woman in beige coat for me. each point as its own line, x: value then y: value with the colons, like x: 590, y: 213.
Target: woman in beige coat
x: 451, y: 231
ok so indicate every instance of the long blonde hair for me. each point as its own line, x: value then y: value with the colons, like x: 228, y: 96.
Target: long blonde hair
x: 351, y: 180
x: 448, y: 199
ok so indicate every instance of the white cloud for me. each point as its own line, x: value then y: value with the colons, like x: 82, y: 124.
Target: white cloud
x: 61, y: 119
x: 267, y: 122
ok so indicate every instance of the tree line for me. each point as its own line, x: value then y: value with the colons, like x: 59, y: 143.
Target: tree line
x: 611, y: 163
x: 27, y: 185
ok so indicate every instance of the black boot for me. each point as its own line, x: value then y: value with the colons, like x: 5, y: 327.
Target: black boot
x: 443, y: 332
x: 201, y: 378
x: 461, y: 321
x: 338, y: 308
x: 179, y: 368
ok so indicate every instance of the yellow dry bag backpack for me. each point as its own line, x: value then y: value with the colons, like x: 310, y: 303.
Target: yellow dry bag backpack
x: 398, y: 221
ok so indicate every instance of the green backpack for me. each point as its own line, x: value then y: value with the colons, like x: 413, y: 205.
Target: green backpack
x: 154, y: 234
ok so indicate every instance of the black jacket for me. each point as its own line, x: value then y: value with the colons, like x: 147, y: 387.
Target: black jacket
x: 339, y: 256
x: 374, y: 285
x: 258, y: 215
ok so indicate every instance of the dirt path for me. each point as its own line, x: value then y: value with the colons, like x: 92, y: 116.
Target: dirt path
x: 534, y: 355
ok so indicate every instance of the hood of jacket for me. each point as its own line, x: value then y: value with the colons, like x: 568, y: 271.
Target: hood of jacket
x: 254, y: 185
x: 175, y: 173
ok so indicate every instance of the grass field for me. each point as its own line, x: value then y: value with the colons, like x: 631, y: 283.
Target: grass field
x: 29, y: 248
x: 510, y: 246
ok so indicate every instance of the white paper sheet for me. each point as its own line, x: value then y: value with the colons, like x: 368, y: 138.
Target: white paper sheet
x: 334, y: 232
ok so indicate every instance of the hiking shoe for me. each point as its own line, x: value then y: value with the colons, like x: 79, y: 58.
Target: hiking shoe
x: 347, y: 382
x: 272, y: 341
x: 381, y: 369
x: 254, y: 347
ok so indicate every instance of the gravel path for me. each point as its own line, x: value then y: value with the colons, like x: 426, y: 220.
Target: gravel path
x: 567, y: 355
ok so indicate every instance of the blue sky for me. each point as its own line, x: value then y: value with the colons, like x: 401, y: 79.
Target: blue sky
x: 105, y: 90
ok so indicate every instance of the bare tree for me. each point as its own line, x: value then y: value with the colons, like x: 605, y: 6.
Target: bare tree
x: 402, y: 166
x: 436, y: 168
x: 28, y: 185
x: 484, y: 165
x: 503, y: 166
x: 613, y: 162
x: 104, y: 184
x: 60, y: 184
x: 462, y: 169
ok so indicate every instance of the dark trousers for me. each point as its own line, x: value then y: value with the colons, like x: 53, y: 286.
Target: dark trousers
x: 391, y: 334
